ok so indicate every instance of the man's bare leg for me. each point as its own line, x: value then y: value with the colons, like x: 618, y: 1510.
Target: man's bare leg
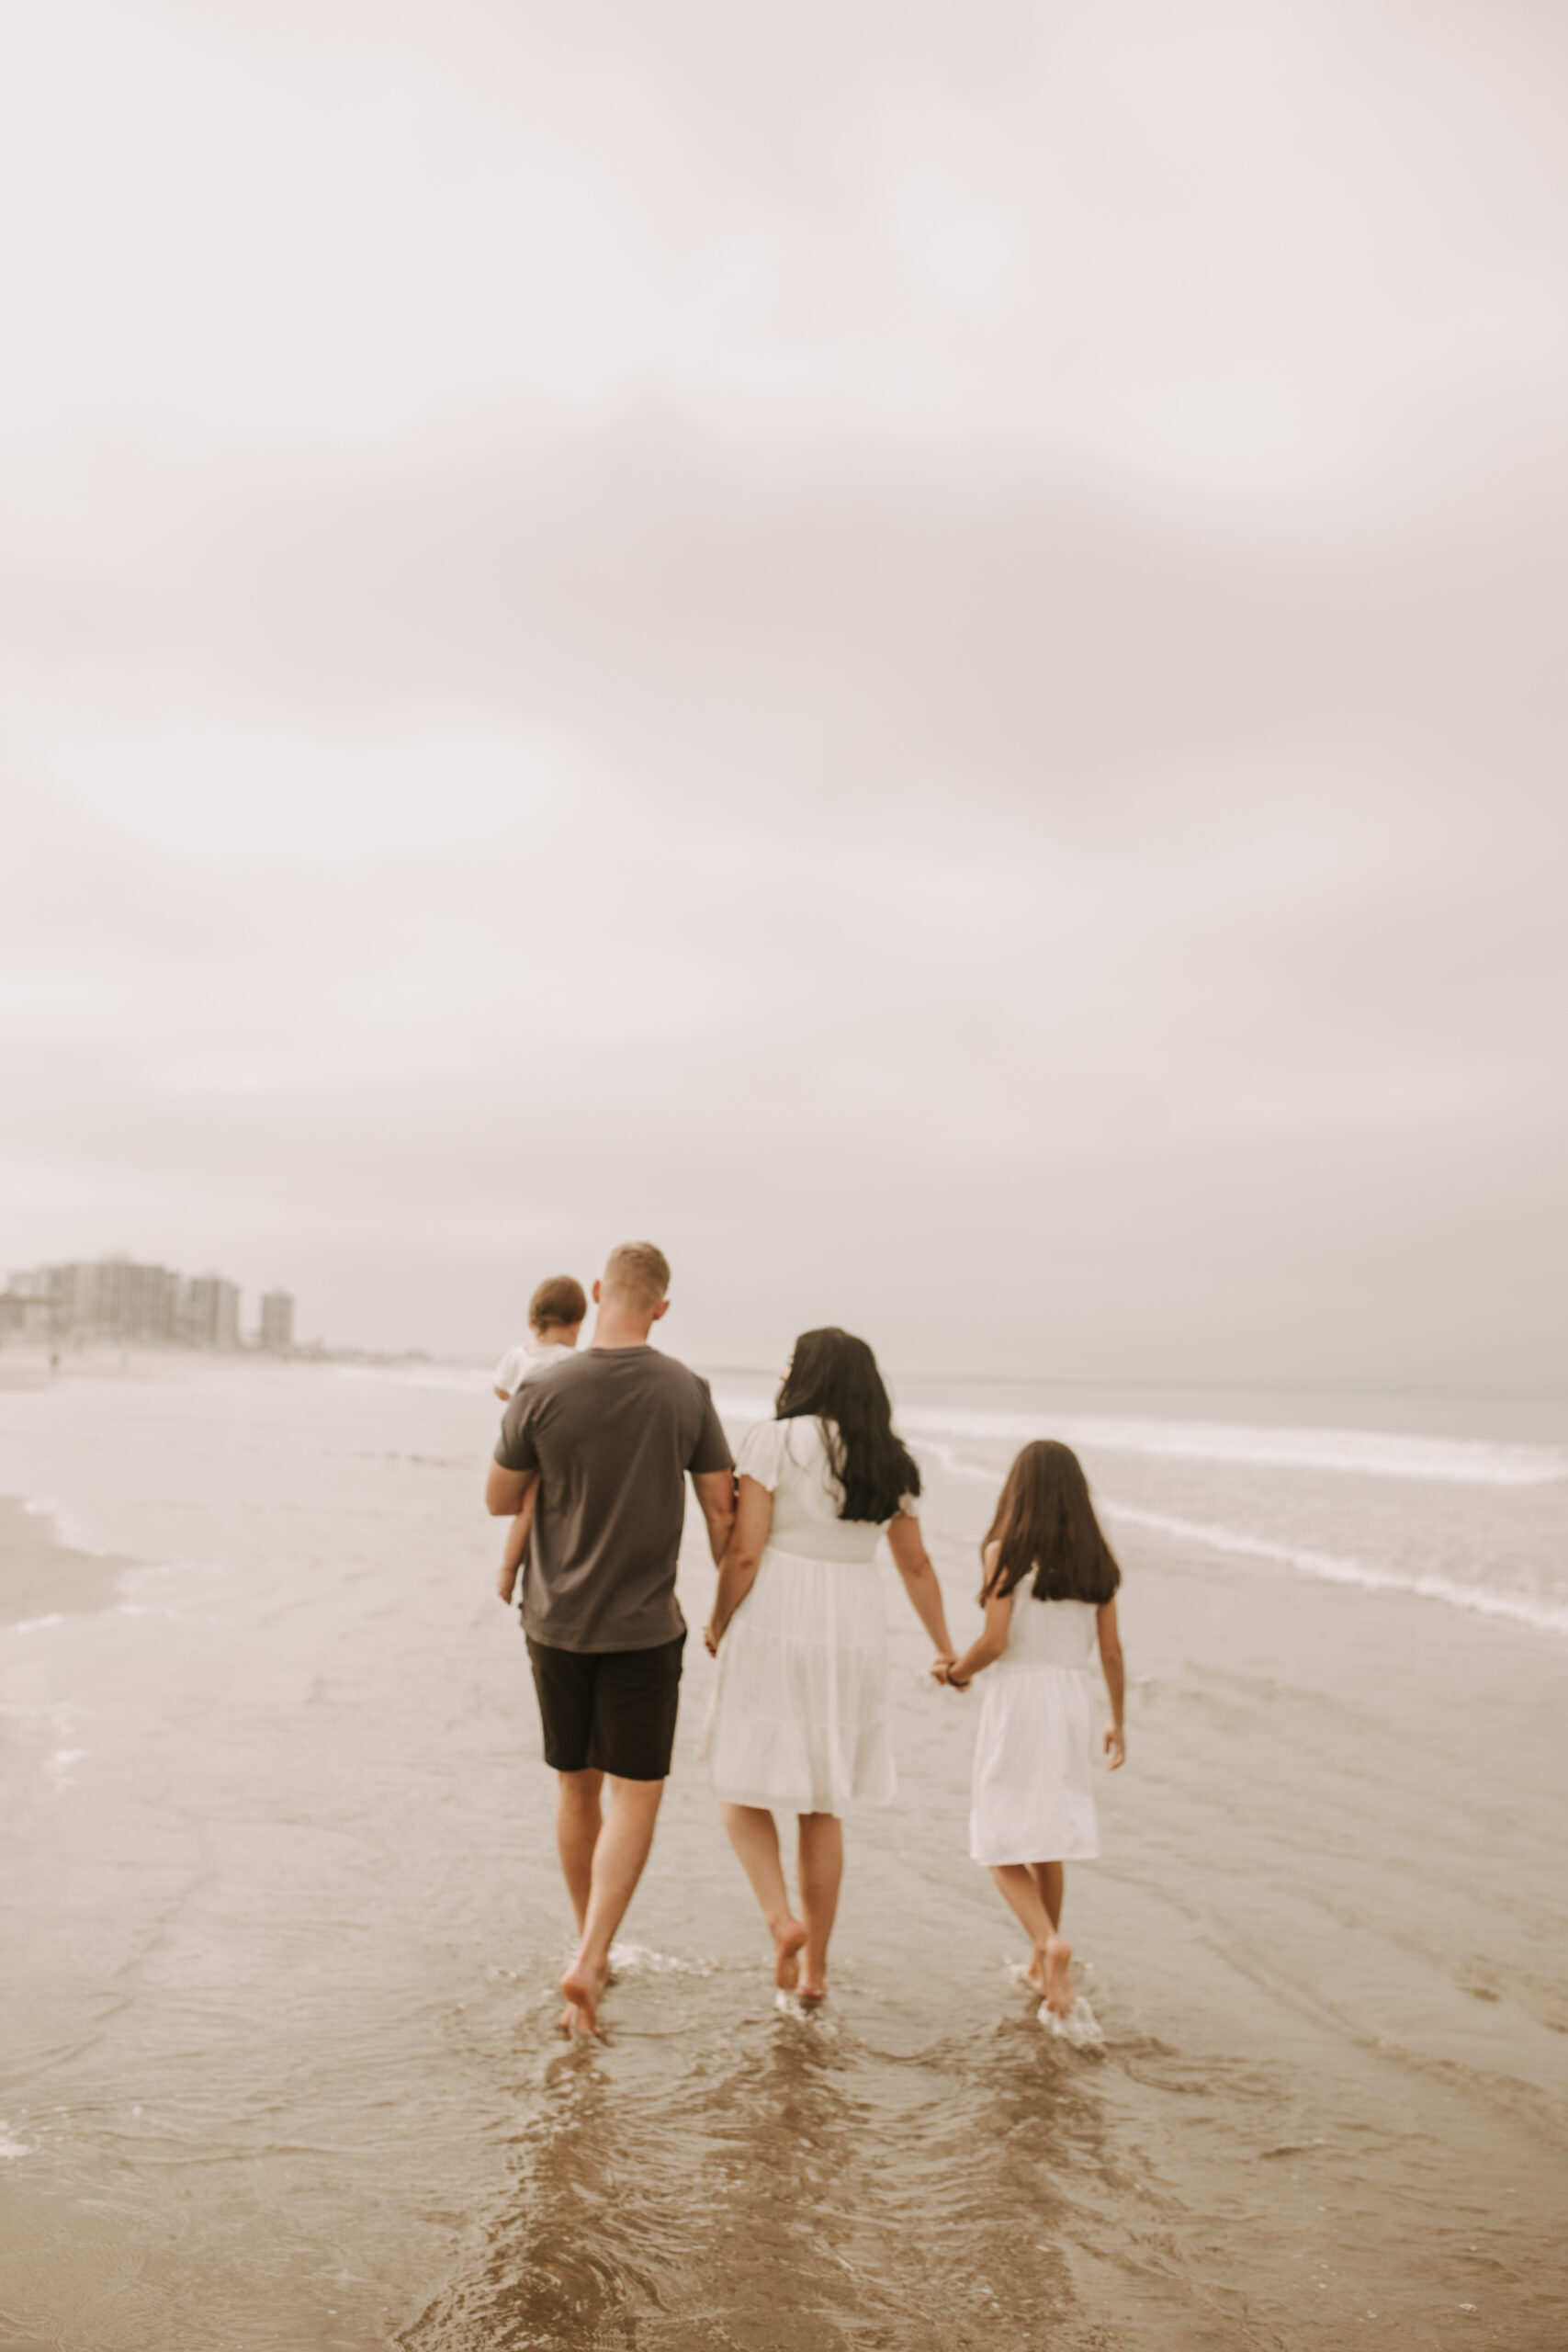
x: 1050, y: 1957
x: 618, y: 1858
x: 579, y: 1819
x: 755, y: 1835
x: 821, y: 1873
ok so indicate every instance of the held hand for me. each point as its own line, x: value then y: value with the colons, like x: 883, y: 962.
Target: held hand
x: 1116, y: 1746
x: 712, y: 1636
x: 506, y: 1581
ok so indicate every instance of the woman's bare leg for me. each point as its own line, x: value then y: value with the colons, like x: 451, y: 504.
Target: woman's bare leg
x: 755, y: 1838
x: 1051, y: 1878
x: 1049, y: 1961
x: 821, y: 1873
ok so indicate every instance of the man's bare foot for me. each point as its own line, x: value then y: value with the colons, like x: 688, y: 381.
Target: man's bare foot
x: 582, y: 1986
x: 1034, y: 1975
x: 788, y: 1936
x: 1059, y: 1993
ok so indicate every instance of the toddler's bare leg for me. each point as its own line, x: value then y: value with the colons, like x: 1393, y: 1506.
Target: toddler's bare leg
x: 821, y: 1873
x: 755, y: 1835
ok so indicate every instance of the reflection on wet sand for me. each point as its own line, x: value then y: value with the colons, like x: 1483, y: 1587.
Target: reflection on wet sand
x: 808, y: 2189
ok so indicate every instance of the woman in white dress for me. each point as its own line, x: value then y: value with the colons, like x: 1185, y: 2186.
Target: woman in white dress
x: 798, y: 1722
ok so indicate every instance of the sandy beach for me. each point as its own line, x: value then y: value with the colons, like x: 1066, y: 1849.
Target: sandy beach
x: 39, y: 1574
x: 280, y: 2065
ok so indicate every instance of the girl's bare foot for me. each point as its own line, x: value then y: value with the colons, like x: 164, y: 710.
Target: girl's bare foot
x: 582, y: 1986
x: 1059, y: 1993
x: 1034, y: 1975
x: 788, y: 1936
x: 810, y: 1988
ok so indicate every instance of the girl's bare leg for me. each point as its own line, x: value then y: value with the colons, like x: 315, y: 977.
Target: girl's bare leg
x: 755, y: 1838
x: 821, y: 1873
x: 1048, y: 1970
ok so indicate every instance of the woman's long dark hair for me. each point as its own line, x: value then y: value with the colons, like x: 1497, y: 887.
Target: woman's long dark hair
x: 834, y: 1375
x: 1045, y: 1527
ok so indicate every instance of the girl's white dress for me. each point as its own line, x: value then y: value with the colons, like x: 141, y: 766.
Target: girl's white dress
x: 1034, y: 1787
x: 798, y: 1719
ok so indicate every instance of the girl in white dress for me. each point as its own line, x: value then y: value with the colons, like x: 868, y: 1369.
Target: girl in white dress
x: 798, y: 1722
x: 1050, y: 1601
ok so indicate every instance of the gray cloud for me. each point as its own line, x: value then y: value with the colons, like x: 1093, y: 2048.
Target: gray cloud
x: 922, y: 657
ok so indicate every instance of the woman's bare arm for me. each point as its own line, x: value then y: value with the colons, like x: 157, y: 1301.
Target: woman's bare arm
x: 742, y: 1557
x: 1116, y: 1742
x: 913, y: 1563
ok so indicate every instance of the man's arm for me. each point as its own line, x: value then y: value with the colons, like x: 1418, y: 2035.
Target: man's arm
x: 716, y: 1497
x: 506, y: 1491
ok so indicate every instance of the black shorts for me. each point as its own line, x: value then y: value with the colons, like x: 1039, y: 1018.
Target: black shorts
x: 609, y: 1711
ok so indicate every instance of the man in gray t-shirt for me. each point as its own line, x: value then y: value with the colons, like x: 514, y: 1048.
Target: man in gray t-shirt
x: 599, y: 1451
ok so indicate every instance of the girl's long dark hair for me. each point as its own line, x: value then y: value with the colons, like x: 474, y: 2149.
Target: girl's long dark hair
x: 1045, y: 1527
x: 834, y: 1375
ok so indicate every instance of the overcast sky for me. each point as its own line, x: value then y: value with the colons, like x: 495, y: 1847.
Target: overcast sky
x: 916, y: 650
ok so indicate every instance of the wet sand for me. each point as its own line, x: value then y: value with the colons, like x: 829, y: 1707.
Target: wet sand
x: 40, y: 1576
x: 279, y: 2058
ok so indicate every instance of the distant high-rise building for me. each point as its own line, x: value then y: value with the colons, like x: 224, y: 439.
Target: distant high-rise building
x: 106, y: 1298
x: 278, y: 1321
x: 115, y: 1298
x: 118, y: 1299
x: 32, y: 1305
x: 209, y: 1313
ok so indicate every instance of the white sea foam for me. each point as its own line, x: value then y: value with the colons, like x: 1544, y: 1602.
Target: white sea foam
x: 68, y: 1527
x: 1329, y: 1567
x: 1549, y: 1616
x: 1081, y: 2027
x: 10, y: 2146
x: 466, y: 1379
x: 641, y: 1960
x: 1379, y: 1453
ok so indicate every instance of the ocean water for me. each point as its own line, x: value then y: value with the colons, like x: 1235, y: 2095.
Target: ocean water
x: 1461, y: 1499
x: 278, y: 2065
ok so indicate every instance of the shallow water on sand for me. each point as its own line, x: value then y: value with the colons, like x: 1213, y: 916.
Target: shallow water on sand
x: 279, y: 2066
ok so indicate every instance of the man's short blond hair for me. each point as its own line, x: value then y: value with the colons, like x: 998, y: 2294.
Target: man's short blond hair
x: 638, y: 1272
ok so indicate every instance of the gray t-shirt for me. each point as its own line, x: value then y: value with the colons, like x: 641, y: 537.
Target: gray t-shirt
x: 612, y: 1435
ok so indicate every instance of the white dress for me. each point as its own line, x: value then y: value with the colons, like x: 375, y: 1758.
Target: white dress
x: 1034, y: 1787
x: 798, y: 1720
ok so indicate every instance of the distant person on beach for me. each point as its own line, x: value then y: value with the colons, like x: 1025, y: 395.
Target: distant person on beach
x: 1032, y: 1805
x: 602, y: 1445
x: 798, y: 1722
x: 555, y: 1315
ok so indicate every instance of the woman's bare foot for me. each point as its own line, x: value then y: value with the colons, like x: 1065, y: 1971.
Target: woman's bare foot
x: 810, y: 1988
x: 788, y: 1936
x: 1034, y: 1975
x: 583, y: 1988
x: 1059, y: 1993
